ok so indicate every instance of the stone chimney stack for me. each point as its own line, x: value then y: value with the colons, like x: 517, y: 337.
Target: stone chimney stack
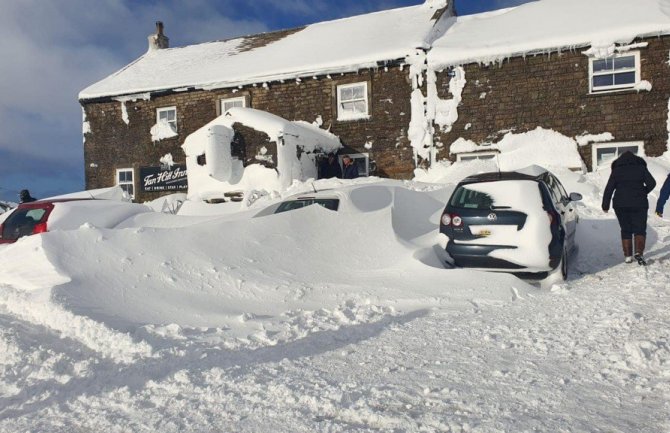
x: 158, y: 41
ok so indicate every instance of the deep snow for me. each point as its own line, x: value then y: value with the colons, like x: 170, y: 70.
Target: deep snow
x: 318, y: 321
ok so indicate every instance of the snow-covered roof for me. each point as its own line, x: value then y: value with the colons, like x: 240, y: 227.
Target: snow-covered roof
x: 341, y: 45
x: 548, y: 25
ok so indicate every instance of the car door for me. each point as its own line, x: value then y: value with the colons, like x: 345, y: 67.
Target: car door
x: 566, y: 208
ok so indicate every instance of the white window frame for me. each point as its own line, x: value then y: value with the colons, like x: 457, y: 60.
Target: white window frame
x: 172, y: 123
x: 233, y: 100
x: 132, y: 182
x: 354, y: 157
x: 476, y: 155
x: 347, y: 115
x: 615, y: 88
x: 615, y: 145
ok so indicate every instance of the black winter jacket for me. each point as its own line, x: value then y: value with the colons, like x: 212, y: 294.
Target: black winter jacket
x: 630, y: 182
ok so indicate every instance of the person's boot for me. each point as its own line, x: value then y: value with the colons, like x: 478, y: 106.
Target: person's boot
x: 627, y: 245
x: 640, y: 241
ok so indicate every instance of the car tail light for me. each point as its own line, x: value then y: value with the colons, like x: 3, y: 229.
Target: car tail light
x: 446, y: 219
x: 40, y: 228
x: 456, y: 221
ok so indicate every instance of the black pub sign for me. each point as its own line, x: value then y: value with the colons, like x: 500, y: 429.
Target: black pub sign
x: 164, y: 178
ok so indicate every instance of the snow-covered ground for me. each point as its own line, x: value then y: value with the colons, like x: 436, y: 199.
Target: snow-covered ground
x: 312, y: 320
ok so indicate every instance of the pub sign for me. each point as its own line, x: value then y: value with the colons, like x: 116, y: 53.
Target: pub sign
x: 164, y: 178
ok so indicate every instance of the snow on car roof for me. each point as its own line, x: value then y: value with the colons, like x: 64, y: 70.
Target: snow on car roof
x: 343, y: 45
x: 548, y: 25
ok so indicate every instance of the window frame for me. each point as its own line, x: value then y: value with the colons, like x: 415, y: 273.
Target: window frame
x: 233, y: 99
x: 346, y: 116
x: 595, y: 146
x: 169, y: 122
x: 493, y: 153
x: 354, y: 157
x: 615, y: 88
x: 131, y: 183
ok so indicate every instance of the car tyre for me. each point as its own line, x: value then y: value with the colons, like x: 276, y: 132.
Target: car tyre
x: 560, y: 274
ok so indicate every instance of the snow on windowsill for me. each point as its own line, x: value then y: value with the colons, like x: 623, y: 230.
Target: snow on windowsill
x: 353, y: 117
x: 161, y: 131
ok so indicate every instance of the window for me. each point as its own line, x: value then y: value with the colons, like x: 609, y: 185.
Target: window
x: 124, y: 179
x: 227, y: 104
x: 621, y: 71
x: 328, y: 203
x: 362, y: 161
x: 352, y: 101
x: 471, y: 156
x: 604, y: 153
x: 168, y: 115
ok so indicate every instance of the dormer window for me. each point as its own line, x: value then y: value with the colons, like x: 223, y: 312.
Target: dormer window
x: 619, y: 72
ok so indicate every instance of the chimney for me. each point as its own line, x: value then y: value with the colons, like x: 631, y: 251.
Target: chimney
x: 158, y: 41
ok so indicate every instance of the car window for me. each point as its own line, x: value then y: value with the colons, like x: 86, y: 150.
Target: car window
x: 21, y: 223
x: 471, y: 199
x: 564, y: 193
x: 328, y: 203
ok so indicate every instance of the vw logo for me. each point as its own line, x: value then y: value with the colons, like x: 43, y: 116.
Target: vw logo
x: 492, y: 217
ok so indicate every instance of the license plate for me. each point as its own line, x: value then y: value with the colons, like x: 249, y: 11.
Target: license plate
x: 484, y: 233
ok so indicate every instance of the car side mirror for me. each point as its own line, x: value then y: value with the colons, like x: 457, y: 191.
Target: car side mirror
x: 575, y: 196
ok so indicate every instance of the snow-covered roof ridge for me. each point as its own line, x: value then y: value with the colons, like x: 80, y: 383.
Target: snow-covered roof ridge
x: 546, y: 26
x: 353, y: 43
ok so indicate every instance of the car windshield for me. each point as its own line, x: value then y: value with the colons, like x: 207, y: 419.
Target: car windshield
x: 21, y: 223
x: 328, y: 203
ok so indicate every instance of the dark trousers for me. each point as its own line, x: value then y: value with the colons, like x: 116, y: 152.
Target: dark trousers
x: 632, y: 220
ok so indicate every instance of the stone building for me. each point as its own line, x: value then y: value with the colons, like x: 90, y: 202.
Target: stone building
x: 596, y: 72
x: 400, y: 88
x: 350, y: 76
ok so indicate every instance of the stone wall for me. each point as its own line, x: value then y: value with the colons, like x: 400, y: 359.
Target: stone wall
x: 552, y: 91
x: 113, y: 144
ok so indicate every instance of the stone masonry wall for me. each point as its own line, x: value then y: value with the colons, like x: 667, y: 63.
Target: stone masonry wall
x: 112, y: 144
x: 552, y: 91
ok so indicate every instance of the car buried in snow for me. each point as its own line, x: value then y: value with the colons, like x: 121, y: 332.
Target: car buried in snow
x: 522, y: 222
x: 65, y: 214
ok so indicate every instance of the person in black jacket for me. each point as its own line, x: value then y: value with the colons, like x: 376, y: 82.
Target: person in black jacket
x: 350, y: 168
x: 330, y: 168
x: 630, y: 182
x: 25, y: 197
x: 663, y: 197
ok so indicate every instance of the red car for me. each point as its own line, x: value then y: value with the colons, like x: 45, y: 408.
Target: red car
x: 65, y: 214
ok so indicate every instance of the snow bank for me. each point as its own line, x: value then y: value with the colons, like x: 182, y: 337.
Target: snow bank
x: 540, y: 146
x: 111, y: 193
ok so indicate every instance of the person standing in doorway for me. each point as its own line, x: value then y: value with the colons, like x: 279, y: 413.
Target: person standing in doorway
x: 630, y: 183
x: 350, y: 168
x: 330, y: 168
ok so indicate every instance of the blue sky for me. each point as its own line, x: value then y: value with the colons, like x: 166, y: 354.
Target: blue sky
x: 52, y: 50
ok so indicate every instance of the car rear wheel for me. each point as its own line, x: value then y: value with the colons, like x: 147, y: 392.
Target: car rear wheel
x: 559, y: 274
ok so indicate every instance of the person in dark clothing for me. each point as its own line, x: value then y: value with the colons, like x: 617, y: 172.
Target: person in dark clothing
x: 350, y: 168
x: 330, y: 168
x: 25, y: 197
x: 663, y: 196
x: 630, y: 182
